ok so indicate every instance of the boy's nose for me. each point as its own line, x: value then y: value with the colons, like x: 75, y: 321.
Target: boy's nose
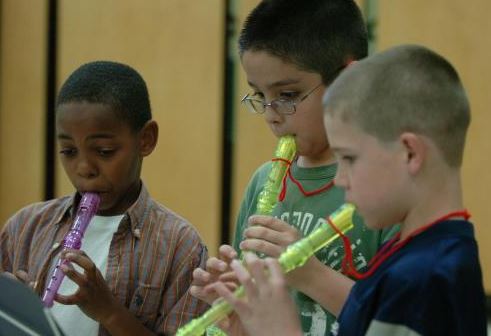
x: 86, y: 169
x: 271, y: 116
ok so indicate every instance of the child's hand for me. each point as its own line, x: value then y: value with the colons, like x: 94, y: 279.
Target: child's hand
x: 271, y: 236
x: 268, y: 235
x: 93, y: 296
x: 267, y: 308
x: 215, y: 268
x: 20, y: 275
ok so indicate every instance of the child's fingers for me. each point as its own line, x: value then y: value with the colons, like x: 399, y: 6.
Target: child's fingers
x: 228, y: 277
x: 66, y: 299
x: 215, y: 265
x: 227, y: 253
x: 276, y: 275
x: 281, y: 238
x: 80, y: 279
x: 196, y: 291
x: 22, y: 275
x: 201, y: 294
x: 244, y: 276
x: 81, y: 259
x: 232, y: 286
x: 257, y: 270
x: 11, y: 276
x: 269, y: 222
x: 238, y: 304
x: 225, y: 293
x: 201, y: 277
x: 261, y: 246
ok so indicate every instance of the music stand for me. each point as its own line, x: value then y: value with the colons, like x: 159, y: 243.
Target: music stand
x: 22, y: 313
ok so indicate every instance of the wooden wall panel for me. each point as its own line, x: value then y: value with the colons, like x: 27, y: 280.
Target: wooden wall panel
x: 22, y: 103
x: 460, y: 31
x: 177, y: 47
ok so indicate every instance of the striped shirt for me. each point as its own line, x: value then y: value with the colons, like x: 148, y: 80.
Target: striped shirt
x: 151, y: 257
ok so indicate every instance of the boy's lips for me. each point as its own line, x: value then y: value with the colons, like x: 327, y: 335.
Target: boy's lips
x: 282, y: 134
x: 100, y: 193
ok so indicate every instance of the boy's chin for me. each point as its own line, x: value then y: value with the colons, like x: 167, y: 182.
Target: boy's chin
x: 370, y: 220
x: 105, y: 208
x: 374, y: 224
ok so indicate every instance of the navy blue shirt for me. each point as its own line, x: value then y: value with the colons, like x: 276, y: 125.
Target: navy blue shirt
x: 431, y: 286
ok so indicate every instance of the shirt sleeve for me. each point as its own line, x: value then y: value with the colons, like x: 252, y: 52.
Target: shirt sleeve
x: 179, y: 306
x: 6, y: 245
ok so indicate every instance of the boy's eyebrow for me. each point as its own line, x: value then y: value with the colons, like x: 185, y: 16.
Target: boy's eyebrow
x: 338, y: 149
x: 282, y: 82
x: 63, y: 136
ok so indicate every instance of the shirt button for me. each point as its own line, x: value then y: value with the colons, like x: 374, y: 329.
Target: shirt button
x: 138, y: 300
x: 137, y: 233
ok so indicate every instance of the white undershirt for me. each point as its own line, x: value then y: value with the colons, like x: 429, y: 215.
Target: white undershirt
x: 95, y: 244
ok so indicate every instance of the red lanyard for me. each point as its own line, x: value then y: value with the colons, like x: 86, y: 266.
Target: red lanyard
x: 306, y: 193
x: 391, y: 247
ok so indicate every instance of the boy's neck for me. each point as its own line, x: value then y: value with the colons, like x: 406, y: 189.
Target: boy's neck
x: 434, y: 202
x: 312, y: 162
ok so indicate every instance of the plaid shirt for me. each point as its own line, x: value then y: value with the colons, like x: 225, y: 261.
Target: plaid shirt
x: 150, y: 262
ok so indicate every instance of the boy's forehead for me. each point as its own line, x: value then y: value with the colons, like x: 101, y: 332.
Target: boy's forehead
x: 89, y: 116
x: 340, y: 133
x: 267, y: 70
x: 84, y: 110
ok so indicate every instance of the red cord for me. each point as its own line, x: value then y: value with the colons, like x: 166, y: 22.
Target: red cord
x: 388, y: 249
x: 306, y: 193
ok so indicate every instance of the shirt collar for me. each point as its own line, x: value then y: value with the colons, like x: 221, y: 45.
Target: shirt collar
x: 68, y: 203
x: 136, y: 214
x: 139, y: 211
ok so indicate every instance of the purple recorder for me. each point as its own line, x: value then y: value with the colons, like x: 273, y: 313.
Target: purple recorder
x: 73, y: 240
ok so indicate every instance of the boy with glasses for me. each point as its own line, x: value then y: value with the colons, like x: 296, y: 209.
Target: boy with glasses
x: 291, y: 50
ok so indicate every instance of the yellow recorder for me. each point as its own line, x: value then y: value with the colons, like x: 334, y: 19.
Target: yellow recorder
x: 294, y: 256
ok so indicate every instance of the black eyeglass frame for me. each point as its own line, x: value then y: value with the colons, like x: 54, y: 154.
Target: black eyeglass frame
x: 280, y: 105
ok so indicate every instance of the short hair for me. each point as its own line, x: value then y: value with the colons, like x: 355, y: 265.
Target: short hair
x: 408, y: 88
x: 320, y: 36
x: 110, y: 83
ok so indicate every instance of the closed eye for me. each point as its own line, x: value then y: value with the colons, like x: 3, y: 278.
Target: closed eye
x: 257, y: 95
x: 106, y: 152
x: 348, y: 158
x: 288, y: 95
x: 68, y: 152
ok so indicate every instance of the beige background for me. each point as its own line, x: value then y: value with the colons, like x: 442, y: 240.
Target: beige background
x: 177, y: 47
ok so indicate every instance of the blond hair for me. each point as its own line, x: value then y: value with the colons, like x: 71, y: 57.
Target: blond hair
x: 404, y: 89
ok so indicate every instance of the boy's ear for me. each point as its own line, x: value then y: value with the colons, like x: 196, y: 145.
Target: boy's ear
x: 149, y: 135
x: 415, y: 151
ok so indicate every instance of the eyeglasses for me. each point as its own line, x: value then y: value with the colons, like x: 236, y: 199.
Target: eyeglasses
x: 280, y: 105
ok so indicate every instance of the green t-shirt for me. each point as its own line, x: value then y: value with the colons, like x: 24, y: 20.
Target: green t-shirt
x: 306, y: 214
